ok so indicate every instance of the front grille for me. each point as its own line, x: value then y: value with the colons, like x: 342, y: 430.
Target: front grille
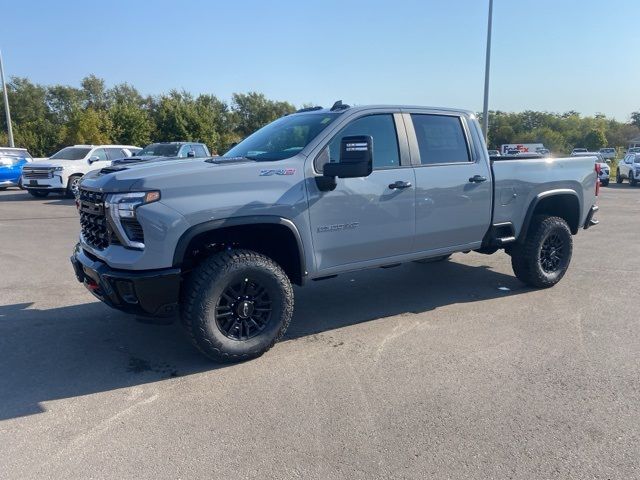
x: 93, y: 221
x: 37, y: 173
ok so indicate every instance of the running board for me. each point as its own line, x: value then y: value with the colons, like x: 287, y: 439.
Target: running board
x: 505, y: 240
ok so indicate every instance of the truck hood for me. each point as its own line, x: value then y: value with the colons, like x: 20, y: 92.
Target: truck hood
x: 58, y: 163
x: 160, y: 174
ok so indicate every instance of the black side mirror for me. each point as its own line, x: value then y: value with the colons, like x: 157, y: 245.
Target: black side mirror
x: 356, y: 158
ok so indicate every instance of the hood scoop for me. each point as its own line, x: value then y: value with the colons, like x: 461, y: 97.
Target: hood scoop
x: 113, y: 169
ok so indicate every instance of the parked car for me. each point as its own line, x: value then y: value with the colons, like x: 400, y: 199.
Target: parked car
x: 312, y: 195
x: 493, y: 153
x: 159, y: 151
x: 629, y: 167
x: 634, y: 150
x: 608, y: 153
x: 603, y: 166
x: 11, y: 162
x: 545, y: 152
x: 579, y: 150
x: 62, y: 172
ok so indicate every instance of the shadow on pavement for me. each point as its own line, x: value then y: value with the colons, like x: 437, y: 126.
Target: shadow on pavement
x: 82, y: 349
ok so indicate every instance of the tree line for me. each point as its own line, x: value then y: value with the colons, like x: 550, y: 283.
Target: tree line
x: 46, y: 118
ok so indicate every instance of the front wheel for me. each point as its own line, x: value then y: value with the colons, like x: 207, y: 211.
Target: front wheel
x: 38, y: 193
x: 236, y: 305
x: 72, y: 186
x: 618, y: 176
x: 632, y: 179
x: 604, y: 183
x: 543, y: 258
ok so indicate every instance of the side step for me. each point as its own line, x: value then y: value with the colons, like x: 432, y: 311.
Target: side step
x: 505, y: 240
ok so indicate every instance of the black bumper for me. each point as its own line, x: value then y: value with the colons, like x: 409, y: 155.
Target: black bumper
x: 152, y: 293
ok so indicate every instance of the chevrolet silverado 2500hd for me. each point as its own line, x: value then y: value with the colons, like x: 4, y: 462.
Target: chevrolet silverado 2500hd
x: 310, y: 196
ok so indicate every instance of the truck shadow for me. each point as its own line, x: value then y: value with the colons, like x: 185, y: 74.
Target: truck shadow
x: 78, y: 350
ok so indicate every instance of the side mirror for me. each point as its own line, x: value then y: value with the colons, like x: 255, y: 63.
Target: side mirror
x: 356, y: 158
x: 191, y: 154
x: 93, y: 158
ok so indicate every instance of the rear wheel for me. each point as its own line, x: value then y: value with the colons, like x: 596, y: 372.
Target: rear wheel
x: 618, y: 176
x: 604, y: 183
x: 38, y: 193
x: 543, y: 258
x: 236, y: 305
x: 632, y: 179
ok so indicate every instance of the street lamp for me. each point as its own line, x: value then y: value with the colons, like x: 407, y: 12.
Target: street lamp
x: 485, y: 110
x: 6, y: 103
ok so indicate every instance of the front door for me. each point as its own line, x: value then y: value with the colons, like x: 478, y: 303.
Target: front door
x: 453, y: 189
x: 369, y: 218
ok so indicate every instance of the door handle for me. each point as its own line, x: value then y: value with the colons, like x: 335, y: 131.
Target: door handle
x: 399, y: 185
x: 477, y: 179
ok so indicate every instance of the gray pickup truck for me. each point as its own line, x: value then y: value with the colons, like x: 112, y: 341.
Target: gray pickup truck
x: 314, y: 194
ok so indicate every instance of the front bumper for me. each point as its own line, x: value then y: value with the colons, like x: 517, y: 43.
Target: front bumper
x: 55, y: 183
x: 152, y: 293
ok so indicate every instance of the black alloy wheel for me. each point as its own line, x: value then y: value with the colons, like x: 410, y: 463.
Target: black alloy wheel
x: 243, y: 310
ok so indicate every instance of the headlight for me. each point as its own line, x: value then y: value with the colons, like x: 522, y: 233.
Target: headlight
x: 123, y: 205
x: 121, y: 210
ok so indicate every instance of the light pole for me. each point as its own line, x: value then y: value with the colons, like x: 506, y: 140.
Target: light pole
x: 485, y: 110
x: 6, y: 104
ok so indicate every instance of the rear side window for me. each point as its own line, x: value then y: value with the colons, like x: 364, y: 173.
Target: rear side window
x: 441, y: 139
x: 200, y: 151
x: 382, y: 129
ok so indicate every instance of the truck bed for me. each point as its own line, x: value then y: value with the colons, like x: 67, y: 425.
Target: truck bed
x: 518, y: 181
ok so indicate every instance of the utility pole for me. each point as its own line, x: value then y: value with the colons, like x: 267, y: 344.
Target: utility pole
x: 485, y: 110
x: 6, y: 104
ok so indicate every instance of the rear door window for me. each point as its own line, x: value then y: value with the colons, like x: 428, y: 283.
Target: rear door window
x: 441, y: 139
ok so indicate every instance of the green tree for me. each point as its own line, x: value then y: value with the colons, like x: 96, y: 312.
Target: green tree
x: 131, y: 125
x: 595, y: 140
x: 88, y: 126
x: 253, y: 111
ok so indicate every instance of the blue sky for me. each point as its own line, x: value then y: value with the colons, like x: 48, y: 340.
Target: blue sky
x: 554, y: 55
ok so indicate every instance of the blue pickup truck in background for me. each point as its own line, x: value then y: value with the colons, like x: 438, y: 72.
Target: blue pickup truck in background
x: 11, y: 162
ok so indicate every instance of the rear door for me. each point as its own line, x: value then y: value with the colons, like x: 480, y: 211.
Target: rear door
x: 369, y: 218
x: 453, y: 182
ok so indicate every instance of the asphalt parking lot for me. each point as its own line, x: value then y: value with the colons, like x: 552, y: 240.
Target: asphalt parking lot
x: 422, y: 371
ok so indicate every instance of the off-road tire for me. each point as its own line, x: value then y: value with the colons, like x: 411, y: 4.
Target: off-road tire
x: 203, y: 292
x: 38, y: 193
x: 73, y: 180
x: 441, y: 258
x: 526, y: 258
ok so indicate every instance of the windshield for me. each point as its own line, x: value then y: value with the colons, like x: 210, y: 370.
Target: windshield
x: 160, y: 150
x: 637, y: 160
x: 283, y: 138
x: 71, y: 153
